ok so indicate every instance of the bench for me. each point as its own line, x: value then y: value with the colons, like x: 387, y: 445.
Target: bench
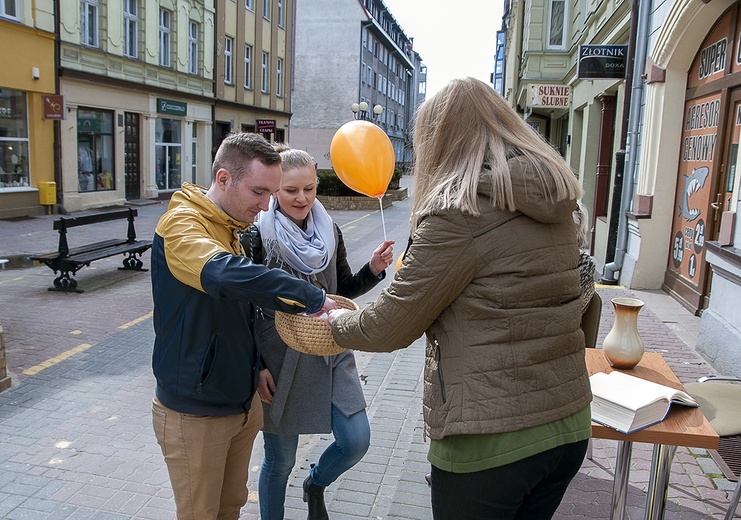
x: 68, y: 261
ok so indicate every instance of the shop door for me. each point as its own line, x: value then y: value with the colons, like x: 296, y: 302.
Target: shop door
x: 710, y: 138
x: 131, y: 156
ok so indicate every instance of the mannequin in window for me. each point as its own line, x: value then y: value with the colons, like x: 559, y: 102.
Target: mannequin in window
x: 85, y: 167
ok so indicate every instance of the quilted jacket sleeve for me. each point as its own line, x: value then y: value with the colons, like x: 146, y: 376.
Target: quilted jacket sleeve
x: 438, y: 266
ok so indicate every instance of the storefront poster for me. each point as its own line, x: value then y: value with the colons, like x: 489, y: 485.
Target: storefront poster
x: 694, y: 183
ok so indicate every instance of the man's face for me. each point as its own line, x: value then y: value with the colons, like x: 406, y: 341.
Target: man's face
x: 244, y: 199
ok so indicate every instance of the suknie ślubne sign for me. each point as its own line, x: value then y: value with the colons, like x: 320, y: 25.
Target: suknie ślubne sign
x: 549, y: 96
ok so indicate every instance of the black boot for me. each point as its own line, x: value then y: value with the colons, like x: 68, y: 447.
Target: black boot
x: 314, y: 497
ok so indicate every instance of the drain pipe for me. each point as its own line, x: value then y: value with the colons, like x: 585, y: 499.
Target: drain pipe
x: 611, y: 271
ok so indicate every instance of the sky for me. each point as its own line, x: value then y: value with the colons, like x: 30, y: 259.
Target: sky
x: 455, y: 39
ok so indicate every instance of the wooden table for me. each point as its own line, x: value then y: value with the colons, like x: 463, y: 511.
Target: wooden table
x: 684, y: 426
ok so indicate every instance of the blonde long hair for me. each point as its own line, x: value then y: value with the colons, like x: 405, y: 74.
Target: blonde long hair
x: 464, y: 134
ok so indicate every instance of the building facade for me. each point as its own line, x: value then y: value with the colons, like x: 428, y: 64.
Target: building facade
x: 655, y: 149
x: 351, y: 52
x: 138, y: 78
x: 253, y: 68
x: 26, y: 77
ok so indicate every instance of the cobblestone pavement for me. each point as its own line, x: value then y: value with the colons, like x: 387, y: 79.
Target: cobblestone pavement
x: 75, y: 427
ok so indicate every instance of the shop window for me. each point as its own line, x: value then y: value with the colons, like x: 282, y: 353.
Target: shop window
x: 95, y: 150
x: 9, y: 9
x: 168, y: 147
x: 14, y: 172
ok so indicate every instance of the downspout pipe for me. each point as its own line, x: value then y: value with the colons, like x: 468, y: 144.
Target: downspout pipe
x: 58, y: 124
x: 611, y: 272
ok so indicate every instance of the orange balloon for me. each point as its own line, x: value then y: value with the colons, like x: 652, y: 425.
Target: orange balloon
x: 399, y: 261
x: 363, y: 157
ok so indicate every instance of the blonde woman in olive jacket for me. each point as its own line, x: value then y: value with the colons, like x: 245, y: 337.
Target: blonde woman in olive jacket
x: 491, y: 279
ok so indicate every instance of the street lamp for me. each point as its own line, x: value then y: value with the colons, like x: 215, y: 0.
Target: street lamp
x: 361, y: 111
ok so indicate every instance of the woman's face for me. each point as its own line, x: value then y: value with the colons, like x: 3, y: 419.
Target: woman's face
x: 297, y: 193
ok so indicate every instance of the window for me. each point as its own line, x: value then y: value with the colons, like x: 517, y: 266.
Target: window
x: 228, y: 60
x: 266, y: 9
x: 165, y: 23
x: 194, y: 30
x: 89, y: 26
x: 131, y: 28
x: 265, y: 82
x: 9, y: 8
x: 13, y: 139
x: 167, y: 148
x: 95, y: 150
x: 249, y: 5
x: 279, y: 78
x: 557, y: 25
x: 248, y: 66
x: 281, y: 14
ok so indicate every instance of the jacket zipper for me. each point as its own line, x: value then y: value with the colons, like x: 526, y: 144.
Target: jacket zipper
x: 438, y: 358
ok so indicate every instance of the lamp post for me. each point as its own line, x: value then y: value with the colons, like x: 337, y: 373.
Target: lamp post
x: 360, y: 110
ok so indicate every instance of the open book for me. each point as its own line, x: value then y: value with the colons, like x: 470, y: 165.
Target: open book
x: 628, y: 403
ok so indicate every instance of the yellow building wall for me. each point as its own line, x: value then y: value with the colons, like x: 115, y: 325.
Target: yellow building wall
x: 31, y: 48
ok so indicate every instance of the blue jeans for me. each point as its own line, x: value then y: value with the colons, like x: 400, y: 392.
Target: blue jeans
x: 351, y: 441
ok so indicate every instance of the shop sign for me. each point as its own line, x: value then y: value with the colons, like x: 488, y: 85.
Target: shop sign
x: 266, y: 126
x: 549, y: 96
x: 54, y: 107
x: 602, y: 61
x: 170, y: 107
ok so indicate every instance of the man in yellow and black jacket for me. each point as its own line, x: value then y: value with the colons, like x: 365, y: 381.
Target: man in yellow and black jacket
x: 205, y: 357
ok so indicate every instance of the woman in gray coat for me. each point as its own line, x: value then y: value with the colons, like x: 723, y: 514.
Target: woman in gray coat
x: 303, y: 393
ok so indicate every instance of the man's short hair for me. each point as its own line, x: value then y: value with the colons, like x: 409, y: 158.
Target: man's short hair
x: 238, y: 149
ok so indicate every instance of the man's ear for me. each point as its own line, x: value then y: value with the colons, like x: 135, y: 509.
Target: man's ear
x: 222, y: 178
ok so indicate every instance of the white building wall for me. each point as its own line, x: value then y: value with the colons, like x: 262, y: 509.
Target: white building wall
x: 326, y: 72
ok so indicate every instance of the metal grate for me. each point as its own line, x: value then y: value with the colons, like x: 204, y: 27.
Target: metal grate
x: 728, y: 456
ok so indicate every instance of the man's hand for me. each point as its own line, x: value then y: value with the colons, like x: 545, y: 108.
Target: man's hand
x: 266, y: 386
x: 382, y: 257
x: 327, y: 306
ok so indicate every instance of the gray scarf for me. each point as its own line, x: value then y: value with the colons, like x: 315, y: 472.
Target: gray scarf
x: 308, y: 251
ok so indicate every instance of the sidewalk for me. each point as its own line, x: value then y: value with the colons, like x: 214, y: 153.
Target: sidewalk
x: 76, y: 439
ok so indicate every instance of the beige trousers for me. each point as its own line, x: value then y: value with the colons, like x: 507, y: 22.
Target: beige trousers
x: 208, y: 459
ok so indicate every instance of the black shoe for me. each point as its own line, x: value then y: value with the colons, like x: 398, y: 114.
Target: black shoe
x: 314, y: 497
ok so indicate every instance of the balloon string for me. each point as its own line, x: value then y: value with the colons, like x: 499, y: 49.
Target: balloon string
x: 383, y: 220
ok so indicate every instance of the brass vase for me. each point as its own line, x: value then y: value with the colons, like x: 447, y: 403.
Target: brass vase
x: 623, y: 346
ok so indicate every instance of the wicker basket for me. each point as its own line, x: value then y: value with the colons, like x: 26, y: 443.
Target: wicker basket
x: 311, y: 335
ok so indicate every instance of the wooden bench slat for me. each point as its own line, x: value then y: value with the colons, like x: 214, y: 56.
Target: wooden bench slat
x: 93, y: 218
x: 80, y: 250
x: 84, y: 258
